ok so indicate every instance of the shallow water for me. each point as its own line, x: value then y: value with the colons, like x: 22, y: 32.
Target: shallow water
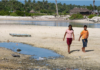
x: 53, y: 23
x: 38, y: 53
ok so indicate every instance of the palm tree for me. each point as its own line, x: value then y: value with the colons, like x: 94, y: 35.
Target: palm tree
x: 56, y: 7
x: 93, y: 4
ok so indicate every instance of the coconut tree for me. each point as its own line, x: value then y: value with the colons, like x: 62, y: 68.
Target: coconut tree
x: 93, y: 4
x: 56, y: 8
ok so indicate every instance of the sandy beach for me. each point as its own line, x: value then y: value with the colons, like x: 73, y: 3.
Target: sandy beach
x: 52, y: 38
x: 9, y: 62
x: 81, y: 21
x: 34, y: 18
x: 40, y: 18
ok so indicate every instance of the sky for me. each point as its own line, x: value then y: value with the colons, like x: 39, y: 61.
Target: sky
x: 76, y: 2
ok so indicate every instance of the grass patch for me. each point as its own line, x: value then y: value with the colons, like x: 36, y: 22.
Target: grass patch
x: 76, y: 16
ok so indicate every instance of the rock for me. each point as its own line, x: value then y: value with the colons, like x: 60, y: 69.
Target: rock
x: 19, y: 62
x: 4, y: 59
x: 15, y: 55
x: 18, y: 50
x: 31, y: 63
x: 18, y: 69
x: 40, y: 58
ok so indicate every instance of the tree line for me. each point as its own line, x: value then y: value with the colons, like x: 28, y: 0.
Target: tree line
x: 39, y: 6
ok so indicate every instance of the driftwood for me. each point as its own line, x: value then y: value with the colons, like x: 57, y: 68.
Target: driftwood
x: 20, y: 35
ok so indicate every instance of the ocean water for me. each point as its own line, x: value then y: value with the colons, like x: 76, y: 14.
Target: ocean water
x: 50, y: 23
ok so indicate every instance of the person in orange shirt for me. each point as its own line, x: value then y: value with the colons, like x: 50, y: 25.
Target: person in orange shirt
x: 84, y: 34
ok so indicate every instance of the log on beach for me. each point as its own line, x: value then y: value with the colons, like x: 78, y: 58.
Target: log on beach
x: 15, y: 55
x: 20, y: 35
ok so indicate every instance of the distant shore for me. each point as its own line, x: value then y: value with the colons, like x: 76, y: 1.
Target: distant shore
x: 39, y: 18
x: 81, y: 21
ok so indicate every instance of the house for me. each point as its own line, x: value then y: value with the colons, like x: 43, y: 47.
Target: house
x: 96, y: 12
x: 32, y: 11
x: 83, y: 11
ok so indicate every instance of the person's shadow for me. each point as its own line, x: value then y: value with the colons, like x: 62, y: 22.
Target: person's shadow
x: 74, y: 51
x: 89, y: 50
x: 79, y: 50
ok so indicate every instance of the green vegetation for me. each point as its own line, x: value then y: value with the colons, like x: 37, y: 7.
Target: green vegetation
x: 91, y: 16
x: 44, y: 7
x: 20, y: 13
x: 13, y: 14
x: 76, y: 16
x: 37, y: 14
x: 4, y: 12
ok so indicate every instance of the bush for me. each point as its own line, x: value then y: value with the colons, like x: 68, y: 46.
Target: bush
x: 27, y: 14
x: 43, y: 11
x: 13, y: 14
x: 76, y: 16
x: 91, y: 16
x: 37, y: 14
x: 49, y: 12
x: 20, y: 13
x: 4, y: 12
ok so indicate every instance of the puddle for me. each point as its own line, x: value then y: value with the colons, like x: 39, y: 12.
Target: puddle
x: 54, y: 69
x: 37, y: 53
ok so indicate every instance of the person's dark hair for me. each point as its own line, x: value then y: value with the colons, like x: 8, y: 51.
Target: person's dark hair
x: 71, y: 27
x: 85, y: 25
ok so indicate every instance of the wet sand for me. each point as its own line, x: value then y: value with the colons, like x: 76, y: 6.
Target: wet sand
x: 52, y: 38
x: 9, y: 62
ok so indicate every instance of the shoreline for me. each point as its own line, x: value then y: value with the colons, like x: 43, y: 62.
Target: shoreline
x: 81, y: 21
x: 44, y: 37
x: 36, y: 18
x: 42, y: 18
x: 70, y: 21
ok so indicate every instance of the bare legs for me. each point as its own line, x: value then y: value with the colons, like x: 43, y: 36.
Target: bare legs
x: 83, y: 49
x: 69, y: 49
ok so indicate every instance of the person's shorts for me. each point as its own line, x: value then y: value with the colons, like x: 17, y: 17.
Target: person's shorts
x: 85, y: 41
x: 69, y: 41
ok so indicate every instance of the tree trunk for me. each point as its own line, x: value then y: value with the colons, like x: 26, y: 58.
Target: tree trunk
x: 93, y: 5
x: 56, y: 8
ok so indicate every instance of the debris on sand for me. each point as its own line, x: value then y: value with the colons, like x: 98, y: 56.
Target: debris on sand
x: 15, y: 55
x: 18, y: 50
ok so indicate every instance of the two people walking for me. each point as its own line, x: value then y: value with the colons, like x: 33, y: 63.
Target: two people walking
x: 70, y: 37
